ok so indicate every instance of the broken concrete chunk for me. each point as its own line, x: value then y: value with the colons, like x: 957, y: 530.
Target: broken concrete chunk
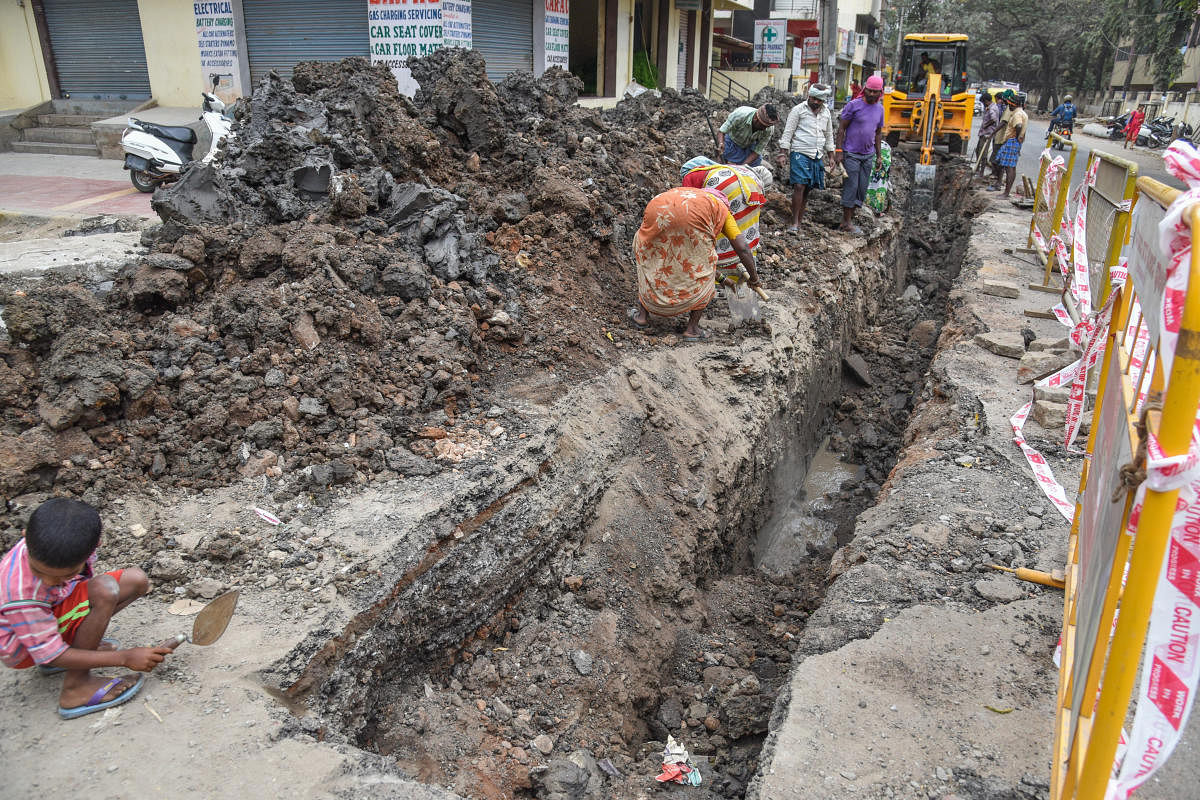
x: 1001, y: 289
x: 858, y: 368
x: 1053, y: 345
x: 305, y: 333
x: 1035, y: 366
x: 169, y: 261
x: 999, y: 589
x: 1049, y: 415
x: 1002, y: 343
x: 582, y: 662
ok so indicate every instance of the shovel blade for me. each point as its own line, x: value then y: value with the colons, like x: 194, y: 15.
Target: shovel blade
x: 925, y: 175
x: 214, y: 618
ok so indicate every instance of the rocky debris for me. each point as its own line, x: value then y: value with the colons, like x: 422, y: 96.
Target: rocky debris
x: 354, y: 266
x: 1002, y: 343
x: 858, y: 368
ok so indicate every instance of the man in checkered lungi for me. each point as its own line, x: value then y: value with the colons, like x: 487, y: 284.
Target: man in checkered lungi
x: 1007, y: 154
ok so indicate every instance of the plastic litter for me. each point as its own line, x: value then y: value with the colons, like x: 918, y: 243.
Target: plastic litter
x: 677, y: 766
x: 267, y: 515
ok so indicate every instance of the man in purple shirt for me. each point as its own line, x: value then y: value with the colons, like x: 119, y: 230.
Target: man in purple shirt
x: 860, y: 131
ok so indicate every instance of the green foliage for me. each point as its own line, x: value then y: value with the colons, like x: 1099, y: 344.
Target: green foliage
x: 644, y: 71
x: 1054, y: 46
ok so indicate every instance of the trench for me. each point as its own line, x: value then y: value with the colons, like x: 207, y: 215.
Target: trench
x: 565, y: 680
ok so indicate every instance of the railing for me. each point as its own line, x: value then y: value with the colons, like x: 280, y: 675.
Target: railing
x: 796, y: 9
x: 721, y: 86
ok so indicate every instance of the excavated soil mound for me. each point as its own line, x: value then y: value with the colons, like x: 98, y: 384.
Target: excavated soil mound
x: 345, y: 286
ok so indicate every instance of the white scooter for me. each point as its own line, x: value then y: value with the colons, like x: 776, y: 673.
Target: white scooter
x: 155, y: 154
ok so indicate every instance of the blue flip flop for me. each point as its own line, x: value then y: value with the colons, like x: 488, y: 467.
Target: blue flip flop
x: 44, y: 670
x: 97, y: 702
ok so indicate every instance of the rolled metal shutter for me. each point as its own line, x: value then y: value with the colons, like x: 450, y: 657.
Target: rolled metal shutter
x: 281, y: 33
x: 502, y: 30
x: 685, y: 44
x: 98, y: 48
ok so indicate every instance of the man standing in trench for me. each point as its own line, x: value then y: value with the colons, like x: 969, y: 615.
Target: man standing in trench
x: 746, y: 133
x: 807, y: 139
x: 860, y: 131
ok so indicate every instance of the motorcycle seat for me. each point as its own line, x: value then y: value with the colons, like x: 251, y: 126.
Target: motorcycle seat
x: 178, y: 133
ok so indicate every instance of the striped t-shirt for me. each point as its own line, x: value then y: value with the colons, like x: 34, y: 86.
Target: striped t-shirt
x: 27, y: 622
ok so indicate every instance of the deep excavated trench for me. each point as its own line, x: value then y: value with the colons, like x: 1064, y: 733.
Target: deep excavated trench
x: 643, y: 566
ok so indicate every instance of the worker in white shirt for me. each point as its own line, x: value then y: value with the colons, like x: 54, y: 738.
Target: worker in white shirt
x: 807, y: 138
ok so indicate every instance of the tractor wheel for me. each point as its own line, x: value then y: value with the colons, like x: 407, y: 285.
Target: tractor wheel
x: 955, y: 144
x: 893, y: 139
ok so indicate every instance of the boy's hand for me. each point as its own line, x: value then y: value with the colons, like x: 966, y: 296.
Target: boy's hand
x: 144, y: 659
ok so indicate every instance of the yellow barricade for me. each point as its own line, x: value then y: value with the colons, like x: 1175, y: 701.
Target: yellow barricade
x: 1109, y: 208
x: 1109, y: 564
x: 1050, y: 204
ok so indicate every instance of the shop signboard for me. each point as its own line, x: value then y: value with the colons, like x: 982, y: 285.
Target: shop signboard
x: 812, y: 50
x: 219, y: 57
x: 770, y: 38
x: 403, y: 28
x: 558, y: 33
x: 456, y: 23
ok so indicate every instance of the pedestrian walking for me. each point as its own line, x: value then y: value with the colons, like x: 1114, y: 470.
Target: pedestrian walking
x: 1134, y: 126
x: 807, y: 139
x: 860, y: 131
x: 746, y: 133
x: 987, y: 129
x: 1010, y: 151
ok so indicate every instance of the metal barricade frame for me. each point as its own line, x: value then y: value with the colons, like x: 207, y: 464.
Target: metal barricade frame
x: 1057, y: 208
x: 1086, y: 736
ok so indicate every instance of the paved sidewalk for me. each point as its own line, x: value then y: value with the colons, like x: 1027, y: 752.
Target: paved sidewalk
x: 52, y: 185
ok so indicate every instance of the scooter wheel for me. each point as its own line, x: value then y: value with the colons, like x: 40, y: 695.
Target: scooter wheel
x: 142, y: 181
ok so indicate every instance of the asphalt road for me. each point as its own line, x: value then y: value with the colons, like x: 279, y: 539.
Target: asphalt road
x: 1149, y: 161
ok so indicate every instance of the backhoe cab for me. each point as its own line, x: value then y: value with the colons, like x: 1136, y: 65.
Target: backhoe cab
x: 928, y: 102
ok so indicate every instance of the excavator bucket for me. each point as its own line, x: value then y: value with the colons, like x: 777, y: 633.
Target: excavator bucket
x: 925, y: 173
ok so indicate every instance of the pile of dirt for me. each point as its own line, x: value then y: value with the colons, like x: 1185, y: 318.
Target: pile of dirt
x: 346, y: 286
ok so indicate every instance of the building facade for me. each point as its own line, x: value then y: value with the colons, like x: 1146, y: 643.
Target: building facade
x: 170, y: 50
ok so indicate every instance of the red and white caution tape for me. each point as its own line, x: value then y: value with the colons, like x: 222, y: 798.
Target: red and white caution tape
x: 1037, y: 462
x: 1171, y: 662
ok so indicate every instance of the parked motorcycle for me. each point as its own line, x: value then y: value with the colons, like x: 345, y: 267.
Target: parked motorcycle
x: 1186, y: 132
x: 155, y: 154
x: 1156, y: 133
x: 1116, y: 126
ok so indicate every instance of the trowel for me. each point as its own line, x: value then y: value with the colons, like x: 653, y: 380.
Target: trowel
x: 210, y: 623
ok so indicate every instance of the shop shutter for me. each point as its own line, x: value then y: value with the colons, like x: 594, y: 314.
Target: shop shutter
x: 685, y: 43
x: 502, y: 30
x: 98, y: 48
x: 281, y: 33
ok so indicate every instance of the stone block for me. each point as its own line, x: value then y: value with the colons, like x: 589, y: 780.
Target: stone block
x: 1035, y: 366
x: 1050, y: 345
x: 1001, y: 289
x: 1049, y: 415
x: 1002, y: 343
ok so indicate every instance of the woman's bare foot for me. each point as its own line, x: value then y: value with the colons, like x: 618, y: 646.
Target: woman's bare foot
x: 77, y: 695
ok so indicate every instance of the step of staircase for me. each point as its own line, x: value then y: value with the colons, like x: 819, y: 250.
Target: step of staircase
x: 68, y: 120
x: 59, y: 135
x: 58, y: 149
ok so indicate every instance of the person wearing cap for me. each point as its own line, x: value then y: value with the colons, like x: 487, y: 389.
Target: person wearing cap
x: 860, y: 131
x: 1010, y: 151
x: 746, y: 133
x: 807, y: 138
